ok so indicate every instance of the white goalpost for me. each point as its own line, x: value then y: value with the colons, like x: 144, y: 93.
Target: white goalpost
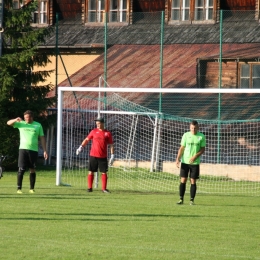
x: 147, y: 125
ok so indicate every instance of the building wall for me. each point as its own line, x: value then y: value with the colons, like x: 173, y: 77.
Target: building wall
x: 70, y: 65
x: 148, y: 5
x: 209, y: 72
x: 238, y: 4
x: 67, y: 8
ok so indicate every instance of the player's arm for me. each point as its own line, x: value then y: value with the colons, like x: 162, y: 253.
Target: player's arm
x: 83, y: 144
x: 112, y: 158
x: 198, y: 154
x: 43, y: 143
x: 12, y: 121
x: 112, y: 149
x: 179, y: 155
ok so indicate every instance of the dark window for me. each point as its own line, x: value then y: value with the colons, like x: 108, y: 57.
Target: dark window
x: 250, y: 75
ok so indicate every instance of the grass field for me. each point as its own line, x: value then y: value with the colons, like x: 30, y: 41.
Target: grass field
x: 67, y: 223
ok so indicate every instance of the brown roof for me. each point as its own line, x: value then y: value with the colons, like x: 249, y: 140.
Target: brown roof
x: 139, y: 65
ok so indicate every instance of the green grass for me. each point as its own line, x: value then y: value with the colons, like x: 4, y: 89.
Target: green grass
x: 139, y: 179
x: 68, y: 223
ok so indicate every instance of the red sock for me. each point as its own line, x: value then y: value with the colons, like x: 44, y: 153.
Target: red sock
x: 104, y: 181
x: 90, y: 180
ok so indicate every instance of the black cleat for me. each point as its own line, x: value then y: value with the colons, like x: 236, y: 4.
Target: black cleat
x: 89, y: 190
x: 105, y: 191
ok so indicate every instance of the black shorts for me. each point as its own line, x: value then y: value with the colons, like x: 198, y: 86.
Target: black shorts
x: 96, y: 163
x: 190, y: 170
x: 27, y: 159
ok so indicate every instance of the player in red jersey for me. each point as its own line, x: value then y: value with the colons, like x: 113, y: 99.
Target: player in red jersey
x: 101, y: 138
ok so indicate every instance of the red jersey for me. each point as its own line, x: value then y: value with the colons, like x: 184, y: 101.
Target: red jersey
x: 100, y: 140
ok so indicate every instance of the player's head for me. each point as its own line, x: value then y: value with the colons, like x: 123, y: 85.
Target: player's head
x: 100, y: 122
x: 28, y: 116
x: 194, y: 127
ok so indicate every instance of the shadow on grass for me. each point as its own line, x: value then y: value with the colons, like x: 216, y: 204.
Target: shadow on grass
x: 98, y: 217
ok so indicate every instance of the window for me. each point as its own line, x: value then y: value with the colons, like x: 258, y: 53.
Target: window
x: 180, y: 10
x: 203, y: 10
x: 118, y: 11
x: 192, y: 10
x: 17, y: 4
x: 96, y: 11
x: 40, y: 15
x: 250, y: 75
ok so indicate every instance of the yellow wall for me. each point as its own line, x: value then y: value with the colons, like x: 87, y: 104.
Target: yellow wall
x: 72, y: 63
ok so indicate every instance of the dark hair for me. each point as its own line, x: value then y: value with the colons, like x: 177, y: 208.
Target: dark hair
x: 28, y: 112
x: 194, y: 122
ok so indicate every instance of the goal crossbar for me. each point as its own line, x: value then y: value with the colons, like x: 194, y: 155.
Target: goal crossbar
x: 160, y: 90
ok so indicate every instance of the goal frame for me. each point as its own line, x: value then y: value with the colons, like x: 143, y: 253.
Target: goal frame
x: 61, y: 91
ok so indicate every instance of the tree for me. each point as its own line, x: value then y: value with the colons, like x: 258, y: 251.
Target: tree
x: 21, y: 87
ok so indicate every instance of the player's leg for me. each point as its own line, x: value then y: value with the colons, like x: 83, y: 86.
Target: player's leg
x: 184, y: 171
x: 194, y: 175
x: 103, y: 168
x: 22, y: 163
x: 33, y: 156
x: 92, y: 167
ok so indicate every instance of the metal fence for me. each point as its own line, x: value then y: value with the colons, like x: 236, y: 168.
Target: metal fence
x: 151, y: 52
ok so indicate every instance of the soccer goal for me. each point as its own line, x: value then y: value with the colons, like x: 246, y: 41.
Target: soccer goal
x: 147, y: 126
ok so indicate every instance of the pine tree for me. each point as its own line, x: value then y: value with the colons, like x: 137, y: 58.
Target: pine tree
x: 21, y: 87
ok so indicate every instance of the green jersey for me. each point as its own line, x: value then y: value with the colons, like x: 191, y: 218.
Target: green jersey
x: 29, y: 134
x: 192, y: 144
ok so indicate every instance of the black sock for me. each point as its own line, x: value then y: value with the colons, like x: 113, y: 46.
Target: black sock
x: 32, y: 180
x: 182, y: 190
x: 193, y: 188
x: 19, y: 181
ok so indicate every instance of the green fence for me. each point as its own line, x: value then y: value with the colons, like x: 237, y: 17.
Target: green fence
x: 150, y: 52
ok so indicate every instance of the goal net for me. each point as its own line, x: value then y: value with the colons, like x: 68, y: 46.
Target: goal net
x: 147, y: 126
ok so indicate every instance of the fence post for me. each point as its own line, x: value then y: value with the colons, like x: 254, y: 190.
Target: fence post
x: 56, y: 56
x: 1, y: 23
x: 161, y: 60
x: 220, y: 81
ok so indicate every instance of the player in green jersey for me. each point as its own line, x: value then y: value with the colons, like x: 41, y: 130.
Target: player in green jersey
x: 30, y: 133
x: 192, y: 147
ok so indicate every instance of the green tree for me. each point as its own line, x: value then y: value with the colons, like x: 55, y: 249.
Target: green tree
x: 21, y: 87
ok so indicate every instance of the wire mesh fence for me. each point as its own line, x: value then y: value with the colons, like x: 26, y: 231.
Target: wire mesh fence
x: 151, y: 51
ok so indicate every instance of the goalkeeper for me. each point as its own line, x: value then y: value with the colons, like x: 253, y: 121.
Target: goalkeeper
x: 101, y: 138
x: 192, y: 147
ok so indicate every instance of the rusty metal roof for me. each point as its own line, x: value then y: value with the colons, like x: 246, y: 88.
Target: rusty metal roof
x: 139, y: 65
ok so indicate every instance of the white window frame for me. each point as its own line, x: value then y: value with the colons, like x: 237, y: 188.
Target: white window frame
x: 99, y: 11
x: 40, y: 16
x: 182, y: 9
x: 175, y: 9
x: 185, y: 8
x: 120, y: 10
x: 18, y: 4
x: 206, y: 8
x: 209, y: 7
x: 250, y: 77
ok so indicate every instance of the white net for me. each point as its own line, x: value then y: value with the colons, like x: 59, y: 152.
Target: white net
x: 147, y: 139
